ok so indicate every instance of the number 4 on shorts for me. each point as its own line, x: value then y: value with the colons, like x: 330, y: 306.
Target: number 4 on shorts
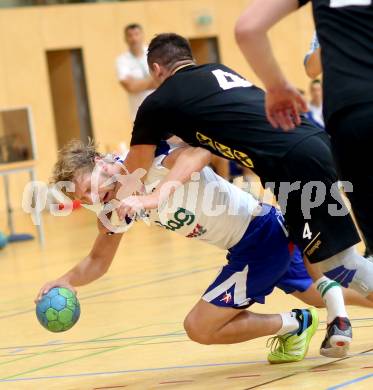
x: 307, y: 231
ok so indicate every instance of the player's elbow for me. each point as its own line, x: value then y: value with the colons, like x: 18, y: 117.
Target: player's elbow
x: 245, y: 29
x: 241, y: 32
x: 205, y: 157
x: 199, y: 158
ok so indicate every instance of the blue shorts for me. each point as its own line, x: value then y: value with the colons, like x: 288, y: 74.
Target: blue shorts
x: 257, y: 264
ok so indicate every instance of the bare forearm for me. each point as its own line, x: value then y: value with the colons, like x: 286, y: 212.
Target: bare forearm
x: 135, y: 85
x: 85, y: 272
x: 182, y: 163
x: 182, y: 168
x: 96, y: 263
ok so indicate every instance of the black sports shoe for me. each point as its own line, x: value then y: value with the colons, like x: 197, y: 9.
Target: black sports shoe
x: 338, y: 338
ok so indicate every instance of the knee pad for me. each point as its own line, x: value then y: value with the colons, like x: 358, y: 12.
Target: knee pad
x: 351, y: 270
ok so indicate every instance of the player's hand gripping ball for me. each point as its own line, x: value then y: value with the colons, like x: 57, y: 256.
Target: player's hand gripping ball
x: 58, y: 310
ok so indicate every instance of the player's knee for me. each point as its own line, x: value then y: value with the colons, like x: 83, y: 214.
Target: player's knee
x: 195, y: 332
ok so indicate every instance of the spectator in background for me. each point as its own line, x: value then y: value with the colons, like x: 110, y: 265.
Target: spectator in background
x: 312, y: 60
x: 315, y: 114
x: 132, y: 68
x: 302, y: 92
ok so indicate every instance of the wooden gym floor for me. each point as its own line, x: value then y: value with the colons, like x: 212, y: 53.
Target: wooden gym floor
x: 130, y: 333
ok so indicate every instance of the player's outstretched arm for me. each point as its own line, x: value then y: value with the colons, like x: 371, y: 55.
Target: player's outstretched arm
x: 182, y: 164
x: 89, y: 269
x: 283, y: 101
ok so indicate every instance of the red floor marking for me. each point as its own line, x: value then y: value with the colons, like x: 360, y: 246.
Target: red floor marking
x: 110, y: 387
x: 170, y: 382
x: 243, y: 376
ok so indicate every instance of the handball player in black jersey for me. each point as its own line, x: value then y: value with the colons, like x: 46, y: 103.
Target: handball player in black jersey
x: 345, y: 32
x: 214, y: 109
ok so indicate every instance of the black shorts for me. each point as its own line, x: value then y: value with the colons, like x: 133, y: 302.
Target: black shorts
x: 323, y: 228
x: 352, y: 140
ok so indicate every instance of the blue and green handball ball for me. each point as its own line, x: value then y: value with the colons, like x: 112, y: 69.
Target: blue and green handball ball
x: 3, y: 240
x: 58, y: 310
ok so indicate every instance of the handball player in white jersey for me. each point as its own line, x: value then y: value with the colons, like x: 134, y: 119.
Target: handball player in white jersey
x: 210, y: 209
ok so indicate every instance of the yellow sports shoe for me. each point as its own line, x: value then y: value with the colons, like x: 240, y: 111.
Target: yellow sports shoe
x: 293, y: 347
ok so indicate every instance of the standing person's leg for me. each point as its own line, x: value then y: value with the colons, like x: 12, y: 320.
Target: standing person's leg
x: 314, y: 210
x: 298, y: 282
x: 298, y: 279
x: 352, y: 140
x: 323, y: 293
x: 319, y: 223
x: 312, y: 297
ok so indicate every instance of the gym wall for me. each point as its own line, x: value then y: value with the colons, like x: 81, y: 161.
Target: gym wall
x: 26, y: 34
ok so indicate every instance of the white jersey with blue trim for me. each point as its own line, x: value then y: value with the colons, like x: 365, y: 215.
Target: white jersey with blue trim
x: 207, y: 208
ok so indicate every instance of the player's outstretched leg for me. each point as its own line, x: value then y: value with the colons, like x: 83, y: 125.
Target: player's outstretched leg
x: 293, y: 346
x: 220, y: 316
x: 211, y: 324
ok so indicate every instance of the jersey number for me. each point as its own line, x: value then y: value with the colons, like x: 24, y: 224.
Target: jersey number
x: 228, y: 80
x: 307, y: 231
x: 346, y: 3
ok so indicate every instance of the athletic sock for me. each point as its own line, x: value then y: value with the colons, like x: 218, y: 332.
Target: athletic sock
x: 331, y: 294
x: 290, y: 323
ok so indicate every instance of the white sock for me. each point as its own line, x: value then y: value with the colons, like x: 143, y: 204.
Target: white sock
x: 289, y: 323
x: 331, y: 294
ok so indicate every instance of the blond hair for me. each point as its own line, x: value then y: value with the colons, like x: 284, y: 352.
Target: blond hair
x: 74, y: 158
